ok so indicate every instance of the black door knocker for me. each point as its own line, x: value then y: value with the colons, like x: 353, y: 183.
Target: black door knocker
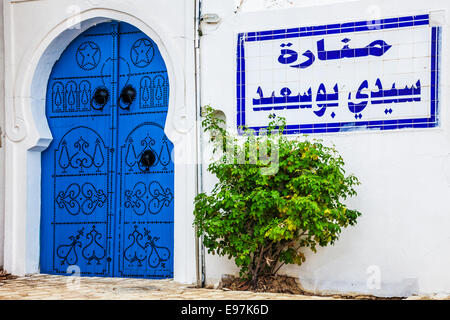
x: 101, y: 97
x: 127, y: 95
x: 147, y: 159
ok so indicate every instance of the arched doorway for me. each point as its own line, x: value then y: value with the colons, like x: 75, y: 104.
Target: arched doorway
x: 107, y: 176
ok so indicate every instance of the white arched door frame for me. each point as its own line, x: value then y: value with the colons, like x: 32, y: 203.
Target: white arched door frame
x: 28, y: 135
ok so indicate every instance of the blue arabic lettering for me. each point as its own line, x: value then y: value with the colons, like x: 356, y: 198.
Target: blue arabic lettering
x: 287, y: 56
x: 281, y: 101
x: 357, y: 108
x: 307, y: 63
x: 376, y: 48
x: 394, y: 92
x: 326, y: 100
x: 322, y: 97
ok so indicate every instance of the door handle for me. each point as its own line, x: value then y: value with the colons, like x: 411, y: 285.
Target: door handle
x: 128, y: 95
x: 101, y: 97
x: 147, y: 159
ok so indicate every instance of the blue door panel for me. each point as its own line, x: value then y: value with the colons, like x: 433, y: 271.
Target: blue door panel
x: 82, y: 245
x: 147, y: 250
x: 75, y: 167
x: 102, y: 209
x: 145, y: 207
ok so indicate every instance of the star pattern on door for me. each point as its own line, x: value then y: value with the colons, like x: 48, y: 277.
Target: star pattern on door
x: 88, y: 55
x: 142, y: 53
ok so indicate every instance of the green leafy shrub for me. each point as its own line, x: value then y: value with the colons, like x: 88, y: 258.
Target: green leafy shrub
x: 263, y: 214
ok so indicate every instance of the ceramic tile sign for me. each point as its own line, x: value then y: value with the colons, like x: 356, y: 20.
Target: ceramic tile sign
x: 380, y: 75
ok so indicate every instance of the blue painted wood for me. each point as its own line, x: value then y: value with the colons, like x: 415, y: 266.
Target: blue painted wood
x: 146, y: 194
x: 102, y: 209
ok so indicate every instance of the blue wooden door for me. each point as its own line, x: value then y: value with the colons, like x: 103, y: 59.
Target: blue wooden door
x: 107, y: 176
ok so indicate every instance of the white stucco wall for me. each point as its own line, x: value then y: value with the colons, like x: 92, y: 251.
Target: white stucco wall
x: 405, y: 174
x: 2, y: 136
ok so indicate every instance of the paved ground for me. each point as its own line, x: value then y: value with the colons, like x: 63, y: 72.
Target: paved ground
x: 48, y: 287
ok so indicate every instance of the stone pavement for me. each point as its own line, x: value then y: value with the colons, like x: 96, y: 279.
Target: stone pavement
x: 50, y: 287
